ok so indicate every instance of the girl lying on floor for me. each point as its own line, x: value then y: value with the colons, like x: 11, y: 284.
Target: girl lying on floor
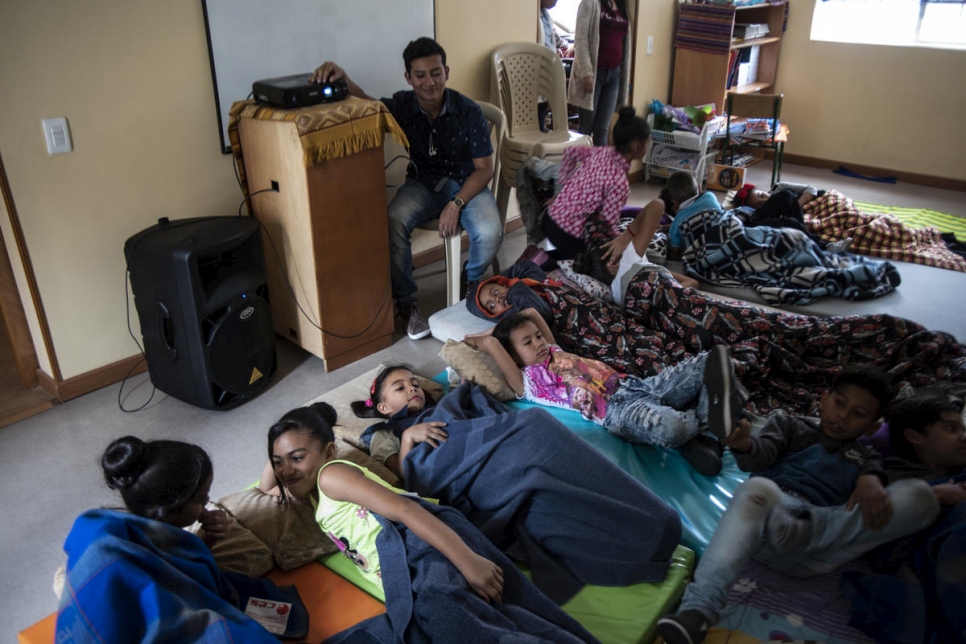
x: 669, y: 410
x: 138, y: 575
x: 785, y: 360
x: 443, y: 581
x: 530, y: 484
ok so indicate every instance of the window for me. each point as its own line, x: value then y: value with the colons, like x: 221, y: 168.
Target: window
x: 910, y: 23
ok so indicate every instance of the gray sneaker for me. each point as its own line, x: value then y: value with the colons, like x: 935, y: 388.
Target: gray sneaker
x: 416, y: 327
x: 840, y: 246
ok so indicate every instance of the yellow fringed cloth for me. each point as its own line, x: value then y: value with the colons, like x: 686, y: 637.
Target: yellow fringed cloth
x: 327, y: 131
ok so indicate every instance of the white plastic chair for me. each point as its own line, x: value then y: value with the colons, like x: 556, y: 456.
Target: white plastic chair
x: 523, y: 71
x: 454, y: 245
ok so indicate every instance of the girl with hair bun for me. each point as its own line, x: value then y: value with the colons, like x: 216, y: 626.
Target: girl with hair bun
x: 594, y: 189
x: 138, y: 575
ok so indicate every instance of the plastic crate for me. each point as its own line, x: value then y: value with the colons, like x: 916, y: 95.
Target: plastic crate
x: 686, y: 140
x: 700, y: 172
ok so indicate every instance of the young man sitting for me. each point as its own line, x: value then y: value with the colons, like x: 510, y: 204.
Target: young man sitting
x: 450, y: 167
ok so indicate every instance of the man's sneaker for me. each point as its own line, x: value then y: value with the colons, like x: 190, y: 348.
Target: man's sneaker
x: 702, y: 456
x: 687, y: 627
x: 726, y: 396
x: 840, y: 246
x: 416, y: 327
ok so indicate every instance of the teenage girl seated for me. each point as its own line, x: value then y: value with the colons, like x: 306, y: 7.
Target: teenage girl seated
x: 136, y: 574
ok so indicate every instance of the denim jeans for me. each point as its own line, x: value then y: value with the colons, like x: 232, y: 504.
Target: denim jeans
x: 607, y: 87
x: 414, y: 204
x: 837, y: 537
x: 666, y: 410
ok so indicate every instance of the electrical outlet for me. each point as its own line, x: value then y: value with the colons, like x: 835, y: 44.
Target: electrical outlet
x: 650, y: 45
x: 275, y: 186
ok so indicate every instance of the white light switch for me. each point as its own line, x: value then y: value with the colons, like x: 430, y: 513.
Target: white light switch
x: 650, y: 45
x: 57, y: 135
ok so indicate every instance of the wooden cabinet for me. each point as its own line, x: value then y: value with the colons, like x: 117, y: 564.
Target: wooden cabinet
x: 329, y: 227
x: 703, y: 47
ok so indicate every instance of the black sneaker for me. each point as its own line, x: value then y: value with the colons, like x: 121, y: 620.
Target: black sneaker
x: 725, y: 394
x: 687, y: 627
x: 466, y: 286
x: 703, y: 458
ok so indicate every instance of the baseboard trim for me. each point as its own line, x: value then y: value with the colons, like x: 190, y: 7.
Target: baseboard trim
x: 93, y: 380
x: 873, y: 171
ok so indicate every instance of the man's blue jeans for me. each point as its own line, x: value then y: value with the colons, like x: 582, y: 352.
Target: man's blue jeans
x: 837, y: 537
x: 414, y: 204
x: 666, y: 410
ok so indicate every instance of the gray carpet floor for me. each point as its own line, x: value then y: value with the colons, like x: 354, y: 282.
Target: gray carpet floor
x: 38, y: 515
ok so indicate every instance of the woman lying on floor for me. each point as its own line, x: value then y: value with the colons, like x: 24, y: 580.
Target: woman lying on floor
x: 785, y: 360
x: 441, y: 579
x: 531, y: 485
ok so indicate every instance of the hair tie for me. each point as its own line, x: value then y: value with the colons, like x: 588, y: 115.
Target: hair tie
x: 743, y: 193
x: 368, y: 402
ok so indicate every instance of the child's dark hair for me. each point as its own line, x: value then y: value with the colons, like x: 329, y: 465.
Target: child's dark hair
x: 316, y: 420
x: 505, y: 327
x: 421, y: 48
x: 680, y: 187
x: 629, y: 128
x: 368, y: 408
x: 591, y: 262
x: 155, y: 478
x: 915, y: 413
x: 873, y: 379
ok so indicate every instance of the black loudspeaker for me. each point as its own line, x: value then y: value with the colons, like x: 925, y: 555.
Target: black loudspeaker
x: 202, y: 300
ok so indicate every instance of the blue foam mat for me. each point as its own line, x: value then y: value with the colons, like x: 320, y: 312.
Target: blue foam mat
x: 699, y: 500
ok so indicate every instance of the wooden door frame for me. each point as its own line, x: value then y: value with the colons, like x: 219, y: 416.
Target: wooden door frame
x: 11, y: 304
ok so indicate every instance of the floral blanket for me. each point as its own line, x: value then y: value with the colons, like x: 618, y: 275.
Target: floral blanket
x: 786, y: 360
x: 834, y: 216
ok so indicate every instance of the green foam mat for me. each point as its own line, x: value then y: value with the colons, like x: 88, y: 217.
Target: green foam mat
x: 920, y: 217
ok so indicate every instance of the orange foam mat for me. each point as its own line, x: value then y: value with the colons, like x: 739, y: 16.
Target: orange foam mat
x: 333, y: 603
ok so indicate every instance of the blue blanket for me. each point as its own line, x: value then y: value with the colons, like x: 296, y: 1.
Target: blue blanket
x: 133, y: 579
x: 537, y: 491
x: 428, y: 600
x: 895, y: 609
x: 783, y: 265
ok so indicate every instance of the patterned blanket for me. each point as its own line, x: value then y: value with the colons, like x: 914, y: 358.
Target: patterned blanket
x: 834, y: 216
x: 782, y: 265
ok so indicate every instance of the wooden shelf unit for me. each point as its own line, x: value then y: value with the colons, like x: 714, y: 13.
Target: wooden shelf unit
x: 702, y: 51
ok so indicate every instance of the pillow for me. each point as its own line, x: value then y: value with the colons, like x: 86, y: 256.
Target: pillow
x: 477, y: 367
x: 288, y: 531
x: 264, y: 532
x: 589, y: 285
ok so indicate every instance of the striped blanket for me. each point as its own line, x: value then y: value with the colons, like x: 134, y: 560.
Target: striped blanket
x: 782, y: 265
x: 834, y: 216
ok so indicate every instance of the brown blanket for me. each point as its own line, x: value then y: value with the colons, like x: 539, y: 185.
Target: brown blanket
x: 833, y: 216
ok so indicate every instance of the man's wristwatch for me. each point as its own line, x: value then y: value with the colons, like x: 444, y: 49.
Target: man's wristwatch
x: 459, y: 202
